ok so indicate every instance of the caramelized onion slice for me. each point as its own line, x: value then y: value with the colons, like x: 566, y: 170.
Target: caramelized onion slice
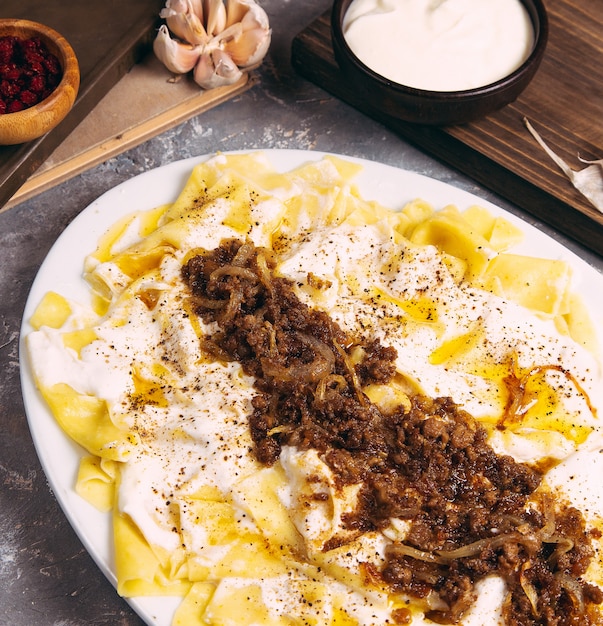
x: 528, y: 588
x: 200, y: 302
x: 234, y: 304
x: 263, y: 272
x: 403, y: 549
x: 211, y: 347
x: 563, y: 546
x: 244, y: 253
x: 475, y: 548
x: 352, y: 372
x: 312, y: 372
x: 573, y: 588
x: 331, y: 381
x: 444, y: 557
x: 233, y: 270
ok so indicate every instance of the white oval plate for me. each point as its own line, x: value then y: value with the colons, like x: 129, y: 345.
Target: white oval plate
x: 61, y: 271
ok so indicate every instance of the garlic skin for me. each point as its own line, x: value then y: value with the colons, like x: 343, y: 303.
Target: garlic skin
x: 179, y: 58
x: 250, y: 47
x: 216, y: 69
x: 588, y: 181
x: 215, y: 19
x: 183, y: 21
x: 215, y: 39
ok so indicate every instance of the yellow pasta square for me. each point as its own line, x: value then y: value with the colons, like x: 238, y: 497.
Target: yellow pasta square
x: 53, y: 311
x: 538, y: 284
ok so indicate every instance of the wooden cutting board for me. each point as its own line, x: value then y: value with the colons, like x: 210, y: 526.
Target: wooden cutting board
x: 108, y: 38
x: 126, y: 95
x: 114, y: 125
x: 564, y: 103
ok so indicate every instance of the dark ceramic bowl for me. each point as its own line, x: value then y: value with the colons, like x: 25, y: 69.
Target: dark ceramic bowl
x: 437, y: 107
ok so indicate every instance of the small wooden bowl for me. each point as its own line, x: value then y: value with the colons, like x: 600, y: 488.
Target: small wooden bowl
x: 37, y: 120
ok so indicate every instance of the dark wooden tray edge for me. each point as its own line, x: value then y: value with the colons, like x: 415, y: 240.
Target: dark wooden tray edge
x: 107, y: 73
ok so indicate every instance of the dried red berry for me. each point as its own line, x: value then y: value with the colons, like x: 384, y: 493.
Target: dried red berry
x: 11, y: 72
x: 33, y: 56
x: 29, y: 72
x: 7, y: 46
x: 28, y: 98
x: 15, y: 106
x: 37, y: 68
x: 32, y: 44
x: 37, y: 84
x: 9, y: 90
x: 52, y: 65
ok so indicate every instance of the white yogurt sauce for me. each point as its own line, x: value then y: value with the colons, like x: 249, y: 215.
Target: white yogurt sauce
x: 440, y: 45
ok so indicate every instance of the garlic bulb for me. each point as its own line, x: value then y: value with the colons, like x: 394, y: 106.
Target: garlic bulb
x: 218, y: 41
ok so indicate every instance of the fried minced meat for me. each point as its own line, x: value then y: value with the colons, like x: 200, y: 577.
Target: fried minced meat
x: 471, y: 512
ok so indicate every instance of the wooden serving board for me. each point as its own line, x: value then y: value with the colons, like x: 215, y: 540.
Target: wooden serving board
x: 126, y: 96
x: 564, y: 103
x: 108, y: 38
x: 114, y: 125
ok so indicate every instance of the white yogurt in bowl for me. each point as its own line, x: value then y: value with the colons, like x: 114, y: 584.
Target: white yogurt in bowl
x: 440, y: 45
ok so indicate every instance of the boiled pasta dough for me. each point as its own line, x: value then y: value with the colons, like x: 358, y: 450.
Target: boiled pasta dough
x: 165, y: 425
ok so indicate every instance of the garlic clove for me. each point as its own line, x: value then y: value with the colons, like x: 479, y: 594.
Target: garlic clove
x: 255, y: 17
x: 178, y: 57
x: 215, y: 17
x: 184, y: 22
x: 588, y: 181
x: 196, y: 6
x: 249, y: 48
x: 225, y: 66
x: 204, y: 70
x: 235, y: 11
x: 215, y: 68
x: 247, y: 11
x: 232, y: 32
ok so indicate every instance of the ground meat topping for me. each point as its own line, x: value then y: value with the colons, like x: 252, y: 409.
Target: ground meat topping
x: 471, y: 512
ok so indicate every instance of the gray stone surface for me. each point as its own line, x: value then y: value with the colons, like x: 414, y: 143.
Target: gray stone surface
x: 46, y: 576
